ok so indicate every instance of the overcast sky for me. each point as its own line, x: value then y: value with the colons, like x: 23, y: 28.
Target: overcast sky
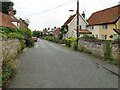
x: 35, y: 10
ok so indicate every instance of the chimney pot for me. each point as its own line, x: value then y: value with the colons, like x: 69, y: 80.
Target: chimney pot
x: 83, y: 14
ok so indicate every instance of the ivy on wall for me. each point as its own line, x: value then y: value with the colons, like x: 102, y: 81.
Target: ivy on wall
x: 108, y: 50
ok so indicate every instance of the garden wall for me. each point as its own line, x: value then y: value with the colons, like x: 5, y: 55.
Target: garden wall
x: 9, y: 48
x: 97, y: 47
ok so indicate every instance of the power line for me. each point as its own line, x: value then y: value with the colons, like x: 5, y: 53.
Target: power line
x: 50, y: 9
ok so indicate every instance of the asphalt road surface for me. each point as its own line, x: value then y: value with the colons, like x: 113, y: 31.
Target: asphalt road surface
x: 48, y: 65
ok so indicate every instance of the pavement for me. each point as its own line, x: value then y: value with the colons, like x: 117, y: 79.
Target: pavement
x: 49, y: 65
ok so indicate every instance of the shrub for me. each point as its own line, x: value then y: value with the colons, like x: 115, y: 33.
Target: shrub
x: 87, y: 36
x: 74, y: 44
x: 25, y: 36
x: 69, y: 41
x: 108, y: 51
x: 7, y: 71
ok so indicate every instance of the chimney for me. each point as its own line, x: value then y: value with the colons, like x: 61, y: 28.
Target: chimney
x: 11, y: 11
x: 83, y: 14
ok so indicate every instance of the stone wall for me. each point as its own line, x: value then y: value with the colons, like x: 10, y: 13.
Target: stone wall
x: 97, y: 47
x: 9, y: 48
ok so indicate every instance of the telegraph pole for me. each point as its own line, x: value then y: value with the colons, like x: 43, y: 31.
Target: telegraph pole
x: 77, y: 22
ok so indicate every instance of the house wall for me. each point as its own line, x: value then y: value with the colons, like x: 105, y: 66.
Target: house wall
x: 109, y: 31
x: 73, y: 25
x: 94, y: 31
x: 118, y: 24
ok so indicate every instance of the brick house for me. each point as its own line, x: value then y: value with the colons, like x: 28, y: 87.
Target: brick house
x: 56, y: 32
x: 9, y: 20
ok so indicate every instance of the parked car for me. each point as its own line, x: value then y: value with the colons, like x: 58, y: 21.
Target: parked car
x: 35, y: 39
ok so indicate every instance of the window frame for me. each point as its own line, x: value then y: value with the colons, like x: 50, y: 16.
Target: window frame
x: 105, y: 26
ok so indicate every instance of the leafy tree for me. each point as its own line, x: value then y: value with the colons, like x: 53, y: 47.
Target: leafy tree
x: 6, y: 6
x: 25, y: 22
x: 37, y: 34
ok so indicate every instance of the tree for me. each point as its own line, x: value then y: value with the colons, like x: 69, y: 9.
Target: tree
x: 25, y: 22
x: 37, y: 34
x: 6, y: 5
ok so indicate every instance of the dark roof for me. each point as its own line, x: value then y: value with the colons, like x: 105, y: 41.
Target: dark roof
x: 109, y: 15
x: 117, y: 30
x: 69, y: 20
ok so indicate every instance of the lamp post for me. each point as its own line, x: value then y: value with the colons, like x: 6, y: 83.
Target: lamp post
x: 77, y: 13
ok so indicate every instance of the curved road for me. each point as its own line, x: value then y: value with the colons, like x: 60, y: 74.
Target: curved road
x: 48, y: 65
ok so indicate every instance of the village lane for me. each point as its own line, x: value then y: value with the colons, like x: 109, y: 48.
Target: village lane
x: 49, y: 65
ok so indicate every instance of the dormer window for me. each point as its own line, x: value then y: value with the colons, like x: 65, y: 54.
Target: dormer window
x: 17, y: 24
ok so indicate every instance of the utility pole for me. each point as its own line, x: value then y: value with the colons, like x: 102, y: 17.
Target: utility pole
x: 77, y: 22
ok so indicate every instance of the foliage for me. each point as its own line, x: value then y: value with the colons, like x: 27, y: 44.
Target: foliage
x: 25, y: 22
x: 37, y: 34
x: 50, y: 38
x: 7, y: 70
x: 64, y: 29
x: 108, y: 51
x: 74, y: 44
x: 60, y: 36
x: 6, y: 5
x: 19, y: 33
x: 87, y: 36
x: 69, y: 42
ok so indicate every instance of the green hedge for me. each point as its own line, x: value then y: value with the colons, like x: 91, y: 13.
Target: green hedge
x: 87, y: 36
x: 18, y: 33
x: 72, y: 43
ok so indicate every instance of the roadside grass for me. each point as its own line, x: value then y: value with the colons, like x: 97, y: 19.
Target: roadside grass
x: 8, y: 69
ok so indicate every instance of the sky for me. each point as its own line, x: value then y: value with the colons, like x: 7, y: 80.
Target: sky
x: 50, y: 13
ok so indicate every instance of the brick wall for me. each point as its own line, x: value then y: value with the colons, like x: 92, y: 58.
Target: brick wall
x: 97, y: 47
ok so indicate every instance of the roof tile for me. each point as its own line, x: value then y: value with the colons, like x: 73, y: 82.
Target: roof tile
x: 109, y: 15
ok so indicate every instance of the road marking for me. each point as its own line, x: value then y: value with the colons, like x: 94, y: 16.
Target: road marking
x: 36, y: 46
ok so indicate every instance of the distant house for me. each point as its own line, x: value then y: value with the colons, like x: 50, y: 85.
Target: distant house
x: 45, y: 32
x: 9, y: 20
x: 56, y: 32
x: 71, y: 25
x: 101, y: 23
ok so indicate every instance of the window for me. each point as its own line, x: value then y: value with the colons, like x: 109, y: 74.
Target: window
x: 105, y: 26
x: 80, y: 27
x: 96, y: 36
x: 104, y: 37
x: 92, y: 27
x: 16, y: 24
x: 115, y: 36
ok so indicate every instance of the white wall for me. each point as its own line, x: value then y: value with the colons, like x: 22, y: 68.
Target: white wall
x: 94, y: 31
x: 73, y: 25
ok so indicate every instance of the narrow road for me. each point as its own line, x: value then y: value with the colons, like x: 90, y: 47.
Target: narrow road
x: 48, y: 65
